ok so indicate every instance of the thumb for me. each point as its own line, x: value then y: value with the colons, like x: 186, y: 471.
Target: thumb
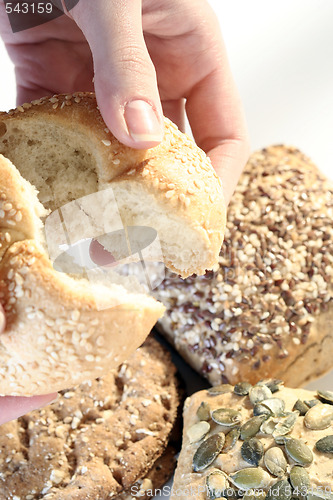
x: 125, y: 78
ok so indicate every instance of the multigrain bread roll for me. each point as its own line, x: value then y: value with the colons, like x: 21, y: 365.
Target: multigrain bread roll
x: 256, y: 440
x: 98, y: 439
x: 267, y: 308
x: 61, y: 330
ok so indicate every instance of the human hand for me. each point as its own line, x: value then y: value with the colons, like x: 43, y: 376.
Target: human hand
x: 14, y: 407
x: 146, y: 56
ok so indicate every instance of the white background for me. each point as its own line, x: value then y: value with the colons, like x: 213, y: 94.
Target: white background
x: 281, y: 54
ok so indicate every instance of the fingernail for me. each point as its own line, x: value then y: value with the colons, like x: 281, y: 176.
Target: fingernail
x: 142, y: 122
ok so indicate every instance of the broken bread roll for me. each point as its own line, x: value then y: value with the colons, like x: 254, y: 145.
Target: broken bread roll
x: 55, y: 335
x: 258, y: 441
x: 61, y: 145
x: 61, y: 330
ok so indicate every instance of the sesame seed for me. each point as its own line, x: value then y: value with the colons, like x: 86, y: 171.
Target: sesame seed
x: 106, y: 142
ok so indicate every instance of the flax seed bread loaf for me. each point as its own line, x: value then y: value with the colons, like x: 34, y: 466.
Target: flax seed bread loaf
x: 98, y: 439
x: 267, y: 308
x: 61, y: 330
x: 252, y: 440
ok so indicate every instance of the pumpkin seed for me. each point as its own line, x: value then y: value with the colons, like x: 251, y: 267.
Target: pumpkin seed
x: 319, y: 417
x: 251, y: 477
x: 217, y: 483
x: 269, y: 425
x: 320, y: 494
x: 281, y: 490
x: 203, y: 412
x: 254, y: 495
x: 227, y: 417
x: 298, y: 451
x: 231, y: 439
x: 198, y: 431
x: 251, y: 427
x: 252, y: 451
x: 259, y: 393
x: 260, y: 409
x: 325, y: 444
x: 311, y: 402
x: 242, y: 389
x: 301, y: 406
x: 220, y: 389
x: 275, y: 461
x: 273, y: 384
x: 325, y: 397
x: 208, y: 451
x: 285, y: 424
x: 281, y: 439
x: 300, y: 481
x: 275, y: 405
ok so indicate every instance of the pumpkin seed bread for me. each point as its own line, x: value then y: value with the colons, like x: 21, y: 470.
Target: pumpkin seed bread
x: 256, y: 441
x: 96, y: 440
x: 266, y: 310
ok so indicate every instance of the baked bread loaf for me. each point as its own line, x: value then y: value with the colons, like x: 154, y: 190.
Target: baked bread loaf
x: 256, y: 440
x: 61, y: 330
x: 267, y: 309
x: 97, y: 440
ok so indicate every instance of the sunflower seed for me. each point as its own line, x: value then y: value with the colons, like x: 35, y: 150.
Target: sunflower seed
x: 259, y: 393
x: 275, y: 461
x: 325, y: 397
x: 325, y: 444
x: 198, y: 431
x: 208, y: 451
x: 251, y: 477
x: 301, y: 406
x: 281, y: 490
x: 260, y: 409
x: 300, y: 481
x: 252, y: 451
x: 275, y: 405
x: 242, y: 389
x: 319, y: 417
x: 220, y: 389
x: 217, y: 483
x: 231, y: 439
x: 203, y: 412
x: 298, y: 451
x: 227, y: 417
x: 251, y: 427
x: 285, y: 424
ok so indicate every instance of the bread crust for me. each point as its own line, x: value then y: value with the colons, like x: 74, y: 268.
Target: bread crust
x: 267, y: 309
